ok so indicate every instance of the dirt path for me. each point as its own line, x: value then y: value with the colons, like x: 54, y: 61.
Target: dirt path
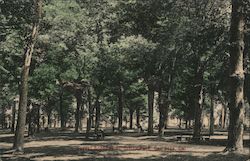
x: 68, y: 146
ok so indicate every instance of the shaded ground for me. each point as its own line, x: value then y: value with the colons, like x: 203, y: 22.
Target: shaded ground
x: 65, y: 145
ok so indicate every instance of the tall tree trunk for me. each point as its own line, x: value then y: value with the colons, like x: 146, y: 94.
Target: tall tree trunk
x: 211, y: 128
x: 162, y: 114
x: 120, y: 107
x: 150, y: 109
x: 236, y: 104
x: 29, y: 119
x: 77, y: 112
x: 38, y: 119
x: 90, y: 117
x: 137, y: 116
x: 169, y: 91
x: 13, y: 117
x: 3, y: 118
x: 62, y: 118
x: 20, y: 128
x: 131, y: 112
x: 98, y: 114
x: 198, y: 102
x: 186, y: 124
x: 225, y: 117
x: 180, y: 122
x: 49, y: 119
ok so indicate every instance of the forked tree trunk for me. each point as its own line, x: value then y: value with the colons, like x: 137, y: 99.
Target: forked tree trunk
x: 150, y: 109
x: 20, y: 128
x: 236, y: 104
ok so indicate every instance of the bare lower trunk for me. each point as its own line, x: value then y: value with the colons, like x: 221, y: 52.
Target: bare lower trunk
x: 186, y: 124
x: 29, y: 119
x: 38, y: 120
x: 90, y: 118
x: 13, y: 118
x: 20, y: 128
x: 3, y: 119
x: 168, y: 105
x: 211, y: 128
x: 120, y: 107
x: 198, y: 104
x: 131, y: 112
x: 225, y: 118
x: 236, y: 104
x: 49, y: 119
x: 162, y: 114
x: 98, y: 114
x: 180, y: 121
x: 138, y: 117
x: 62, y: 118
x: 77, y: 112
x: 150, y: 110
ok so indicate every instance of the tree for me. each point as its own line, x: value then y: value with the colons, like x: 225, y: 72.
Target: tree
x: 236, y: 104
x: 19, y: 135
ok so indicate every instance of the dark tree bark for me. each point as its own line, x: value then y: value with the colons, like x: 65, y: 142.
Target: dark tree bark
x: 236, y: 104
x: 120, y: 107
x: 20, y: 128
x: 211, y: 128
x: 168, y: 105
x: 167, y: 100
x: 137, y: 116
x: 98, y: 114
x: 49, y: 119
x: 131, y: 112
x: 77, y: 88
x: 13, y: 118
x: 77, y: 112
x: 3, y: 118
x: 62, y: 116
x: 180, y: 122
x: 186, y: 124
x: 150, y: 109
x: 198, y: 102
x: 225, y: 118
x: 38, y: 119
x: 29, y: 119
x: 91, y: 110
x: 162, y: 113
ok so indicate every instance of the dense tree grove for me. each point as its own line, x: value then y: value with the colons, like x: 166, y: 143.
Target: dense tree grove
x: 110, y: 61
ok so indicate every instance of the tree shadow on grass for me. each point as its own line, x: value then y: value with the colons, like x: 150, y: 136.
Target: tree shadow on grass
x: 211, y: 142
x: 217, y: 142
x: 75, y: 152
